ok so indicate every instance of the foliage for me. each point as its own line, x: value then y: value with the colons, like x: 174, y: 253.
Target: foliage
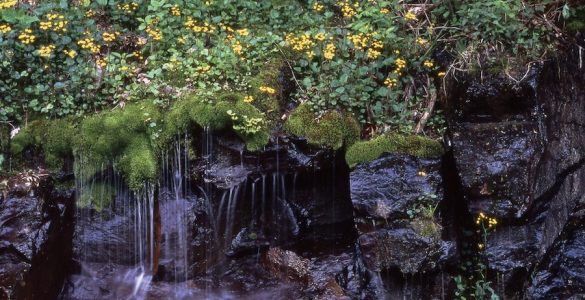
x: 332, y: 129
x: 365, y: 151
x: 98, y: 195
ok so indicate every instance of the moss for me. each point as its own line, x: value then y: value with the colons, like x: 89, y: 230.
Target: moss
x: 124, y: 137
x: 98, y: 196
x: 58, y: 143
x: 138, y: 163
x: 334, y: 129
x: 366, y: 151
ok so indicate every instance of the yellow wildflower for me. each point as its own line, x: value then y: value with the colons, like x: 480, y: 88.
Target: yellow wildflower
x: 237, y: 47
x: 46, y: 51
x: 267, y: 90
x: 329, y: 51
x: 8, y: 4
x: 110, y: 37
x: 373, y: 54
x: 70, y: 53
x: 26, y: 37
x: 5, y: 28
x: 102, y: 62
x: 175, y: 11
x: 318, y: 7
x: 248, y: 99
x: 243, y: 32
x: 410, y: 16
x: 428, y: 63
x: 90, y: 13
x: 391, y: 82
x: 441, y: 74
x: 421, y: 41
x: 347, y: 9
x: 320, y: 36
x: 384, y: 11
x: 154, y: 33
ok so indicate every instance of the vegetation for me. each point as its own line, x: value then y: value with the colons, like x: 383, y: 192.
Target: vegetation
x: 241, y: 65
x: 332, y: 129
x: 365, y: 151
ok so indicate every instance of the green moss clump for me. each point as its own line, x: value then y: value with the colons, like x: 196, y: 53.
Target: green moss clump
x: 334, y: 129
x: 98, y: 195
x: 213, y: 113
x: 58, y: 143
x: 138, y: 163
x: 365, y: 151
x: 124, y: 137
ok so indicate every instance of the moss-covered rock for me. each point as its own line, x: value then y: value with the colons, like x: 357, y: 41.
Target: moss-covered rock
x: 268, y: 101
x: 365, y: 151
x: 333, y: 129
x: 213, y: 113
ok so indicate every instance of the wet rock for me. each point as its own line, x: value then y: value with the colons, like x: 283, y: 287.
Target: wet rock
x: 287, y: 265
x: 386, y: 188
x: 35, y: 240
x: 403, y: 249
x: 494, y: 161
x: 561, y: 274
x: 524, y: 165
x: 247, y: 242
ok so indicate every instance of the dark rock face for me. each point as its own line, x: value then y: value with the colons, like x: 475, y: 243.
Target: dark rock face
x: 386, y: 188
x: 395, y: 200
x: 35, y: 241
x: 562, y: 273
x: 402, y: 249
x: 519, y: 151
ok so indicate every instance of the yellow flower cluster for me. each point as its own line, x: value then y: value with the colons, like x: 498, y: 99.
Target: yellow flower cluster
x: 154, y: 33
x: 329, y: 51
x: 90, y: 13
x: 5, y: 28
x: 421, y: 41
x: 237, y: 47
x: 248, y: 99
x: 175, y: 11
x: 243, y: 32
x: 192, y: 24
x: 267, y: 90
x: 56, y: 22
x: 70, y: 53
x: 483, y: 219
x: 373, y: 54
x: 128, y: 7
x: 203, y: 69
x: 384, y: 11
x: 8, y: 4
x: 391, y: 82
x: 360, y: 40
x: 321, y: 36
x: 375, y: 49
x: 27, y: 37
x: 318, y: 7
x: 46, y: 51
x: 88, y: 43
x: 102, y: 62
x: 441, y: 74
x: 138, y: 55
x: 400, y: 65
x: 428, y: 63
x: 347, y: 9
x: 410, y: 16
x: 299, y: 43
x: 110, y: 36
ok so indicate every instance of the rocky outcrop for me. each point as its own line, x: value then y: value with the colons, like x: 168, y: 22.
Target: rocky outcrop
x: 396, y: 199
x: 36, y: 228
x: 519, y: 151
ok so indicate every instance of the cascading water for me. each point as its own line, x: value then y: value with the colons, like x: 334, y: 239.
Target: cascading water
x: 115, y: 235
x: 197, y: 234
